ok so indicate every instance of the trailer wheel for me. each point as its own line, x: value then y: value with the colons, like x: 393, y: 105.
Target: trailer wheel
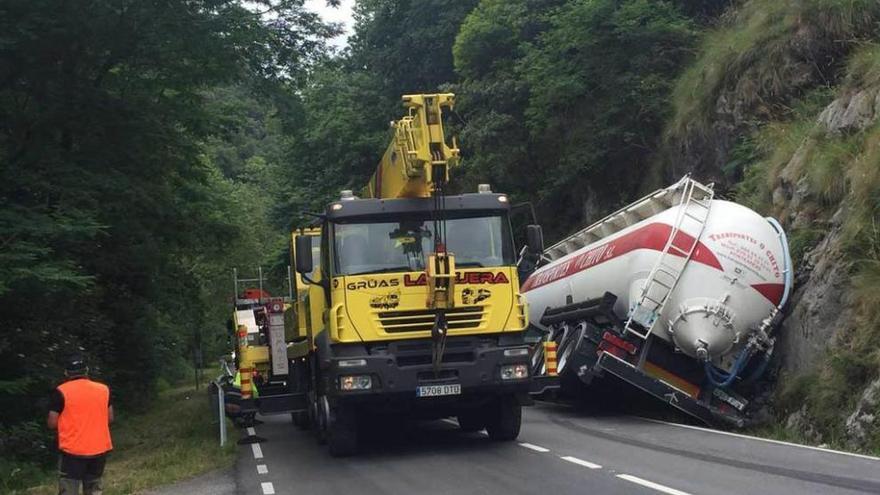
x: 471, y: 421
x: 505, y: 419
x: 342, y: 434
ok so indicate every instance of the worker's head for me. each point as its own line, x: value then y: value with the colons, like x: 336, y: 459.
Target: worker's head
x: 76, y: 366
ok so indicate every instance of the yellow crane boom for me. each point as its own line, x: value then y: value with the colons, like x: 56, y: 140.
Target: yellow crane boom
x: 418, y: 158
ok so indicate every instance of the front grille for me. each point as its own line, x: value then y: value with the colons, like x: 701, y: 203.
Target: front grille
x: 422, y: 320
x: 425, y: 359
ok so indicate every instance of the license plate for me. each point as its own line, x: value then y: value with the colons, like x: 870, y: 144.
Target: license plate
x: 438, y: 390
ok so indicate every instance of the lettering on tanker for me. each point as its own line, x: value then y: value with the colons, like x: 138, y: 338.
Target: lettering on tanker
x: 580, y: 262
x: 748, y: 253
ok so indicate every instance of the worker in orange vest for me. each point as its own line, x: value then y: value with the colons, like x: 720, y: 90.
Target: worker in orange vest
x: 81, y: 411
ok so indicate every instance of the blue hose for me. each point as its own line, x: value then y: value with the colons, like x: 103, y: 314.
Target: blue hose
x: 721, y: 379
x: 786, y: 260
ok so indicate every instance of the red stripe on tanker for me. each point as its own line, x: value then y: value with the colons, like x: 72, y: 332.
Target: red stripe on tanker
x: 734, y: 277
x: 653, y: 236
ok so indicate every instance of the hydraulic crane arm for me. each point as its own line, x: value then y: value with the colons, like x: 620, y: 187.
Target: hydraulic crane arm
x: 416, y: 165
x: 417, y: 161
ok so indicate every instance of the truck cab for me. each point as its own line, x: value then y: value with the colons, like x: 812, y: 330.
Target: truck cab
x: 375, y: 336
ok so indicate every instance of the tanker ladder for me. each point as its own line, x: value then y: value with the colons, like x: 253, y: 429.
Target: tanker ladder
x: 693, y: 212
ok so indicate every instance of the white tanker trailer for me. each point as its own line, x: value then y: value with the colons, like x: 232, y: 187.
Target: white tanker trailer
x: 677, y: 294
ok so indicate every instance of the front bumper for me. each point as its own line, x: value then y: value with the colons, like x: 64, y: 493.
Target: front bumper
x: 398, y: 368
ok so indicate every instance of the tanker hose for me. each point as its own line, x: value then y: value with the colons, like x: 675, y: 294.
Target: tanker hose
x: 787, y: 264
x: 721, y: 379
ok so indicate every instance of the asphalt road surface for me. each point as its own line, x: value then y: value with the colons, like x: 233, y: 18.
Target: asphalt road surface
x: 561, y: 450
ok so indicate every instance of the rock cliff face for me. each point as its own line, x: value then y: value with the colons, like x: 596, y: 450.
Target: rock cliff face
x: 782, y: 109
x: 821, y: 306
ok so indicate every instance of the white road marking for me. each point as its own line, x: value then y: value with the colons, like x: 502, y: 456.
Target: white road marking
x: 262, y: 469
x: 651, y: 484
x: 768, y: 440
x: 580, y: 462
x: 251, y: 431
x: 258, y: 452
x: 536, y: 448
x: 268, y: 488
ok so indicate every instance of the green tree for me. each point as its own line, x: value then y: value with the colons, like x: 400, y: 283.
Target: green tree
x: 116, y: 226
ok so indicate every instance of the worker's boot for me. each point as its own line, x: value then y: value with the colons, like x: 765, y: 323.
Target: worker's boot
x: 67, y: 486
x: 93, y: 487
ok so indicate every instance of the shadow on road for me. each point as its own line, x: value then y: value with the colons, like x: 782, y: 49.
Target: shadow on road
x: 398, y: 437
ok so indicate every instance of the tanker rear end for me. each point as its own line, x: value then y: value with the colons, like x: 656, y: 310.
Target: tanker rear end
x: 677, y: 294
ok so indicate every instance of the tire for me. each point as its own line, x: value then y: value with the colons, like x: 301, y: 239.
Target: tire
x: 472, y: 421
x: 505, y: 419
x: 318, y: 420
x: 342, y: 434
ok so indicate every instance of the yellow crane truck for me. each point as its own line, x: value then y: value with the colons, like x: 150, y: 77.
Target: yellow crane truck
x: 266, y: 347
x: 412, y: 304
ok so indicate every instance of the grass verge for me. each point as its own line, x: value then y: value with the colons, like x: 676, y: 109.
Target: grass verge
x: 174, y: 440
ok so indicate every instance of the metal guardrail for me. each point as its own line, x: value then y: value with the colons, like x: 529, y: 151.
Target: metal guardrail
x: 226, y: 371
x: 221, y: 410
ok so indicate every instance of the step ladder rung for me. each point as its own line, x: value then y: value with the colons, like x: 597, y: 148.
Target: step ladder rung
x: 649, y: 298
x: 684, y: 252
x: 669, y: 273
x: 694, y: 217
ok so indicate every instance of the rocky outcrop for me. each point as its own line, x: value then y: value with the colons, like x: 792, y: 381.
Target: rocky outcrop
x: 821, y: 308
x: 852, y: 112
x: 864, y: 418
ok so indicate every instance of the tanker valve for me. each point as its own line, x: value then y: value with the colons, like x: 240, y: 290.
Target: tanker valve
x: 702, y: 350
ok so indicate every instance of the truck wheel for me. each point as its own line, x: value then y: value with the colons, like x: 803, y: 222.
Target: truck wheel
x: 342, y: 434
x: 319, y: 420
x: 471, y: 421
x: 505, y: 419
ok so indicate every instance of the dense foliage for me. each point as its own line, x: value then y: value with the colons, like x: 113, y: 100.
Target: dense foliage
x: 554, y: 96
x: 132, y: 178
x: 147, y: 147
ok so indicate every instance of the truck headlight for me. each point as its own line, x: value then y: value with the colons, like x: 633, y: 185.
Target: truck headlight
x: 520, y: 351
x: 355, y: 382
x: 514, y: 371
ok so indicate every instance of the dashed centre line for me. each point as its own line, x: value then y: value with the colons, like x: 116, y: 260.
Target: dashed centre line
x: 258, y: 452
x: 580, y: 462
x: 651, y: 484
x: 251, y: 431
x: 269, y: 489
x: 536, y: 448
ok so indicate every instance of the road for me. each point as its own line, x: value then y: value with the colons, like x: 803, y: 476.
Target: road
x: 561, y: 450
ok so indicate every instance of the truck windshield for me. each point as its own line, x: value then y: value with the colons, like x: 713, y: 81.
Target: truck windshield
x: 402, y: 246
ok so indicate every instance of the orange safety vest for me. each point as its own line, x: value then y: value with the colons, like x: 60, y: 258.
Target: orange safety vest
x: 84, y: 423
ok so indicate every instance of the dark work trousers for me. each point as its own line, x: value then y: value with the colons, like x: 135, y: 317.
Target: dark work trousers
x: 74, y: 471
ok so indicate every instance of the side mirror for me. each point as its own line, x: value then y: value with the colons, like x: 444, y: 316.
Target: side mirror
x: 535, y: 239
x: 304, y: 264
